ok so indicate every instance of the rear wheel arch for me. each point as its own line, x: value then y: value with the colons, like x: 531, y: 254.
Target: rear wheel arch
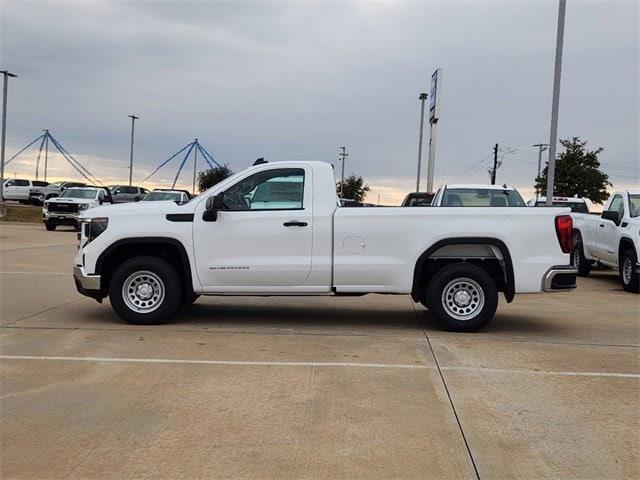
x: 426, y: 266
x: 166, y: 248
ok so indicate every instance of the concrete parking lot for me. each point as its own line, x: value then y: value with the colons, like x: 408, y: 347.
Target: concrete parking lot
x: 310, y: 387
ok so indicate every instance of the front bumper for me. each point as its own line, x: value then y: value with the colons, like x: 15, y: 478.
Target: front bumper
x: 88, y: 285
x: 61, y: 218
x: 559, y: 278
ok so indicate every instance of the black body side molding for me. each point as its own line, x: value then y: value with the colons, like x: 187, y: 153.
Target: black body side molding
x: 180, y: 217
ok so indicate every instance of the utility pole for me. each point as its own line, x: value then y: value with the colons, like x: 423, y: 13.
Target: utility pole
x: 495, y: 164
x: 133, y: 121
x: 343, y: 157
x: 541, y: 148
x: 46, y: 152
x: 195, y: 165
x: 4, y: 129
x: 553, y: 136
x: 422, y: 97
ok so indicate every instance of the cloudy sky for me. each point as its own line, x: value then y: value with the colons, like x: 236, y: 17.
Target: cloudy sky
x: 289, y: 81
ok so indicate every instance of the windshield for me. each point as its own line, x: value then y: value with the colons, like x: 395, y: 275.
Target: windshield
x: 576, y: 207
x: 634, y: 205
x: 79, y: 193
x: 158, y: 196
x: 481, y: 197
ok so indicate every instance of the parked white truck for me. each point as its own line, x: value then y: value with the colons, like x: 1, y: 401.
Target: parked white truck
x: 277, y: 229
x: 611, y: 239
x: 66, y: 209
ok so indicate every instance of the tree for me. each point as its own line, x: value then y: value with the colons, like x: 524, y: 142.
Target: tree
x: 354, y: 188
x: 209, y: 178
x: 577, y: 173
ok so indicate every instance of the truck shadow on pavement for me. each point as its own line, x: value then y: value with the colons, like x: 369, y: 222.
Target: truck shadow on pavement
x: 331, y: 319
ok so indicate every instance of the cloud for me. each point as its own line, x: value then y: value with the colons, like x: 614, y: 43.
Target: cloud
x: 297, y: 80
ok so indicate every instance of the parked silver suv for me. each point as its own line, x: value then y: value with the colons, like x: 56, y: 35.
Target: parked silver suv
x: 125, y: 193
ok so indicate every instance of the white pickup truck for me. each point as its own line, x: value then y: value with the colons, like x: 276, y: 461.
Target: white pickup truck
x: 611, y: 239
x: 278, y: 229
x: 66, y: 209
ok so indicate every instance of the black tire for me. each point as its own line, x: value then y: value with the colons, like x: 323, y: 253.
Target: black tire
x: 76, y: 227
x: 190, y: 298
x: 578, y: 260
x: 478, y: 285
x: 159, y: 271
x: 50, y: 226
x: 630, y: 279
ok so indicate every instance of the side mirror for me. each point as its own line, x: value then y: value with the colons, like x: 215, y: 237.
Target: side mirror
x: 612, y: 215
x: 213, y: 205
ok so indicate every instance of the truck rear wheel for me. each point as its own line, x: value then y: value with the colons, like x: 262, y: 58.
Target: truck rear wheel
x: 145, y: 290
x: 630, y: 278
x: 578, y: 260
x: 462, y: 297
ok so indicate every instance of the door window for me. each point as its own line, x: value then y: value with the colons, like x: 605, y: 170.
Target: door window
x: 277, y: 189
x: 21, y: 183
x: 617, y: 205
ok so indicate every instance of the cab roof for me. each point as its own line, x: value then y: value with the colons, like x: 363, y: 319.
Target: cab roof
x: 478, y: 186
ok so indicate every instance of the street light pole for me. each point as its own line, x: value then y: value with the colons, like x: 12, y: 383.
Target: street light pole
x: 4, y: 129
x: 133, y: 121
x: 541, y: 148
x: 46, y: 152
x: 195, y: 165
x: 553, y: 136
x: 422, y: 97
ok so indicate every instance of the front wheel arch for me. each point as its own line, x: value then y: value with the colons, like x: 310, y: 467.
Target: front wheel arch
x: 167, y: 248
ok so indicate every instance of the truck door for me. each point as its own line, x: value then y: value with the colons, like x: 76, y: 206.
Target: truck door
x: 607, y: 232
x: 17, y: 189
x: 262, y: 237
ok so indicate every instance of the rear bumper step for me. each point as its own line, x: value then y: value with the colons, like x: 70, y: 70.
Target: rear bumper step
x: 560, y: 277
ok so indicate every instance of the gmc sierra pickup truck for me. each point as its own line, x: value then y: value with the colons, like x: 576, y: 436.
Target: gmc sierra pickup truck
x: 278, y: 229
x: 611, y: 239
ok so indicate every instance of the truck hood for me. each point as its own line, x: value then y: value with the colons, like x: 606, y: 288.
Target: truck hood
x: 138, y: 208
x: 70, y: 200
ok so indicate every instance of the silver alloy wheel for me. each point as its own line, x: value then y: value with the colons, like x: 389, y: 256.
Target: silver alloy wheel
x: 143, y: 291
x: 463, y: 299
x: 627, y: 271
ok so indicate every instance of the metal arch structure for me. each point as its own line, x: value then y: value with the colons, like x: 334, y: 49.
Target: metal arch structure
x: 44, y: 139
x: 194, y: 147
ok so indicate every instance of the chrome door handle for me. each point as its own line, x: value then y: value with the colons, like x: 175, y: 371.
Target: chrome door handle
x: 294, y: 223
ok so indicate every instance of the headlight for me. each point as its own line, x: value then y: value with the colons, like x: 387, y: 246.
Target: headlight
x: 93, y: 227
x: 45, y: 206
x: 83, y: 206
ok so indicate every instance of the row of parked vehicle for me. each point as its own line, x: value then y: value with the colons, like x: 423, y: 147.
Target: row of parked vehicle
x: 66, y: 208
x: 36, y: 192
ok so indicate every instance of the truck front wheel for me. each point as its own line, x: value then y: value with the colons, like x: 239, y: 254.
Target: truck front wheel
x: 630, y: 278
x: 50, y: 225
x: 145, y: 290
x: 462, y: 297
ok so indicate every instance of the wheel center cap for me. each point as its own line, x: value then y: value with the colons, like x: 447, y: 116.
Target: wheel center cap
x: 462, y: 298
x: 144, y: 291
